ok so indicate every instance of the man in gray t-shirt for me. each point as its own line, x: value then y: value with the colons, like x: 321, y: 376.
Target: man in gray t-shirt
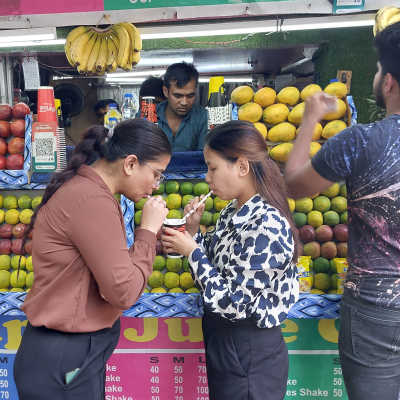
x: 367, y: 157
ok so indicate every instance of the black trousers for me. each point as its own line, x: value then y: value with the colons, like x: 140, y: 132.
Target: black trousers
x: 46, y: 355
x: 244, y: 362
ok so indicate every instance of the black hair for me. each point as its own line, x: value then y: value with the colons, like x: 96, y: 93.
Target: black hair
x: 152, y: 86
x: 104, y: 103
x: 133, y: 136
x: 180, y: 74
x: 387, y: 43
x: 235, y: 139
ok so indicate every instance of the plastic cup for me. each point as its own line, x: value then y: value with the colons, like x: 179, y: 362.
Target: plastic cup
x: 46, y: 109
x: 178, y: 224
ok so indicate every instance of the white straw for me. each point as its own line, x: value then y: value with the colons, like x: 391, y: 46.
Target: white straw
x: 198, y: 204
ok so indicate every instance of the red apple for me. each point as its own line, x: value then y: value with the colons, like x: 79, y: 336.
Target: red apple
x: 342, y: 249
x: 5, y: 112
x: 17, y: 128
x: 16, y: 145
x: 3, y: 147
x: 15, y: 161
x: 5, y: 246
x: 16, y: 246
x: 30, y: 234
x: 28, y: 247
x: 5, y: 130
x: 20, y: 110
x: 341, y: 232
x: 3, y: 162
x: 19, y: 230
x: 6, y: 231
x: 307, y: 233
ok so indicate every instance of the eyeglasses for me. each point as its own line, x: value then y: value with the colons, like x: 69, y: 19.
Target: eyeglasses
x: 160, y: 178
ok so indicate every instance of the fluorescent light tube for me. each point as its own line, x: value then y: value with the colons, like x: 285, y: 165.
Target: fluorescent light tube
x: 27, y: 35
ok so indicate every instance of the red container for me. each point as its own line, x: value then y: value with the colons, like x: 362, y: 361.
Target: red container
x: 148, y: 109
x: 46, y: 110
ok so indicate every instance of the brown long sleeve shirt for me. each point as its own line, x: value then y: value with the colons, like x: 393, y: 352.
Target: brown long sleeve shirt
x: 84, y: 273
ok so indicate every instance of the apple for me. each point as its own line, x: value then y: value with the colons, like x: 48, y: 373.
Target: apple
x: 3, y: 162
x: 17, y: 128
x: 5, y: 130
x: 16, y: 246
x: 5, y: 246
x: 3, y: 147
x: 20, y: 110
x: 15, y: 161
x: 6, y: 231
x: 5, y: 112
x: 19, y: 230
x: 16, y: 145
x: 28, y: 247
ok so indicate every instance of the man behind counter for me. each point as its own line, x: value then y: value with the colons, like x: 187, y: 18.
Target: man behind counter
x: 184, y: 122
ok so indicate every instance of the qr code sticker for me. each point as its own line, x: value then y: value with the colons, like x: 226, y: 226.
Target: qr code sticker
x: 44, y: 149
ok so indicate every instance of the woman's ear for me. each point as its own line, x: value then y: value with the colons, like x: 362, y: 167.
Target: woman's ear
x: 130, y: 164
x: 244, y: 166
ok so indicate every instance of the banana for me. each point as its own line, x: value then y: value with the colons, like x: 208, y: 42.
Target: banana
x: 124, y: 46
x: 138, y: 40
x: 135, y: 57
x: 394, y: 19
x: 112, y: 51
x: 71, y: 37
x: 83, y: 61
x: 101, y: 61
x: 113, y: 67
x: 383, y: 16
x: 134, y: 34
x: 91, y: 65
x: 78, y: 48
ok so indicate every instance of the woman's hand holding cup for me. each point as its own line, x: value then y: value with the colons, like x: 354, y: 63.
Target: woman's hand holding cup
x: 154, y: 213
x: 193, y: 220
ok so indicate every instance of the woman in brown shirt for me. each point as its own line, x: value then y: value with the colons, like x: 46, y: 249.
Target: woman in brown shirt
x: 85, y: 275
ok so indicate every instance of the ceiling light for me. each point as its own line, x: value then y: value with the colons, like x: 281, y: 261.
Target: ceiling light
x: 153, y: 72
x: 36, y: 43
x: 258, y: 26
x: 26, y: 35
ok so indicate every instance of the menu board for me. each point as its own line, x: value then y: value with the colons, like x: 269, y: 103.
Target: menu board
x: 164, y: 359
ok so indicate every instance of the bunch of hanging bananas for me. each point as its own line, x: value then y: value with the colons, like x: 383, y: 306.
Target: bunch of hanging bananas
x: 96, y: 51
x: 386, y: 16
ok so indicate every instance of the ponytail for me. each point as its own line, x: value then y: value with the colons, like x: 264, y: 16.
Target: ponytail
x: 134, y: 136
x: 86, y: 152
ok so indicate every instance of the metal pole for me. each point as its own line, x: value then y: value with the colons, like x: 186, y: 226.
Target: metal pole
x: 6, y: 80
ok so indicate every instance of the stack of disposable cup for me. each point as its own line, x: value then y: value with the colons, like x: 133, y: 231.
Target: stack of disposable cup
x: 46, y: 109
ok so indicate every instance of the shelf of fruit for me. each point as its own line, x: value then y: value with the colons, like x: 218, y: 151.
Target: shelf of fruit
x: 15, y: 216
x: 277, y: 116
x: 322, y: 230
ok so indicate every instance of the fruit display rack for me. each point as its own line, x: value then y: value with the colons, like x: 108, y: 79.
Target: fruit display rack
x: 189, y: 165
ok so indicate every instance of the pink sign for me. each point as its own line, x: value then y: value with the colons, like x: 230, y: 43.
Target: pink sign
x: 158, y: 359
x: 29, y: 7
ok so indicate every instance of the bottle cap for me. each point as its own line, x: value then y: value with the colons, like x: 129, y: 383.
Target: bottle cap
x: 128, y: 95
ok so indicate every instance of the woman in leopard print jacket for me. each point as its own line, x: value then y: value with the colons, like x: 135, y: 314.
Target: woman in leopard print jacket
x: 246, y: 268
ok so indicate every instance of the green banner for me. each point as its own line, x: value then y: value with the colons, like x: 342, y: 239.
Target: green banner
x: 129, y: 4
x: 315, y: 371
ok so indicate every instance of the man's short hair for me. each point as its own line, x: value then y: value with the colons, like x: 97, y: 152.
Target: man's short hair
x: 104, y: 103
x: 152, y: 86
x: 387, y: 43
x: 180, y: 74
